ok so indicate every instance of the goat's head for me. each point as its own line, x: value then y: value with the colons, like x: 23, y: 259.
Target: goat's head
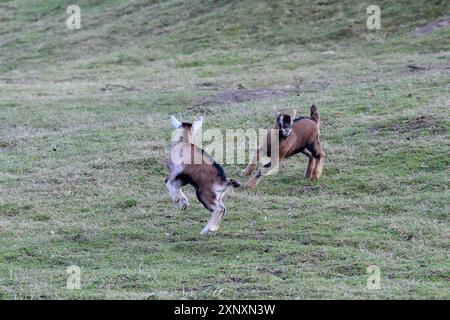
x: 284, y: 121
x: 184, y: 130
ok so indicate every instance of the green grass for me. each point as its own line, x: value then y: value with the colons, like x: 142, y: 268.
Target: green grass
x: 82, y: 179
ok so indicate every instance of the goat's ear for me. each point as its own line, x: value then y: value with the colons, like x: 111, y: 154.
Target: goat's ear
x: 198, y: 123
x: 294, y: 113
x: 275, y: 112
x: 175, y: 123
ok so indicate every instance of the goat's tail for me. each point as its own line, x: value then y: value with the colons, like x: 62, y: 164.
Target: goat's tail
x: 315, y: 114
x: 233, y: 183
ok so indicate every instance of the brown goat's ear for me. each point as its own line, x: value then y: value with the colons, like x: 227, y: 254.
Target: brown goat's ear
x: 275, y: 112
x: 294, y: 113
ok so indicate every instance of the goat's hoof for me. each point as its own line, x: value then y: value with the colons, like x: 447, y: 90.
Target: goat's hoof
x: 184, y: 204
x: 205, y: 232
x: 250, y: 185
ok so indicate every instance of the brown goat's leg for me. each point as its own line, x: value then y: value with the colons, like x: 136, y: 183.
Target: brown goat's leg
x: 311, y: 165
x: 320, y: 157
x: 249, y: 169
x: 252, y: 165
x: 318, y: 169
x: 265, y: 170
x: 253, y: 182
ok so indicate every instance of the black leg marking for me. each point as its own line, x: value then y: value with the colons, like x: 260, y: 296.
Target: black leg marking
x: 312, y: 148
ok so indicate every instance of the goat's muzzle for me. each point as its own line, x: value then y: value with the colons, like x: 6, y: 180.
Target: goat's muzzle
x: 286, y: 132
x: 233, y: 183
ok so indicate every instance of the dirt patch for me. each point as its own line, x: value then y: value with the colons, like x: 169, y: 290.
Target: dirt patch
x: 208, y: 85
x: 352, y: 269
x: 238, y: 279
x: 306, y: 189
x: 241, y: 95
x: 432, y: 26
x: 428, y: 67
x: 199, y: 109
x: 411, y: 125
x: 150, y: 250
x: 424, y: 122
x: 7, y: 144
x: 118, y: 87
x: 414, y: 124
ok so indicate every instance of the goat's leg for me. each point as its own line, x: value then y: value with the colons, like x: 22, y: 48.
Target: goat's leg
x: 265, y: 170
x: 211, y: 199
x: 252, y: 165
x: 249, y: 169
x: 311, y: 165
x: 184, y: 202
x: 221, y: 205
x: 320, y: 158
x: 319, y: 166
x: 213, y: 223
x: 253, y: 182
x: 174, y: 188
x: 219, y: 219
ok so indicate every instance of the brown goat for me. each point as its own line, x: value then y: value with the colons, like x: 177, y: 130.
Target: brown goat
x: 188, y: 164
x: 296, y: 135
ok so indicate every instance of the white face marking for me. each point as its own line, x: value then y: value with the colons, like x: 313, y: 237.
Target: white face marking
x: 286, y: 131
x: 281, y: 121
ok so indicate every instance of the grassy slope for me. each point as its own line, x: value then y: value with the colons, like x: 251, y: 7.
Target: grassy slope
x: 81, y: 178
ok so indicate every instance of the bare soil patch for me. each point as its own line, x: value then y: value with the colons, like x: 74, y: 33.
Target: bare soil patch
x: 7, y: 144
x: 432, y: 26
x: 430, y: 123
x: 422, y: 122
x: 118, y: 87
x: 429, y: 67
x: 241, y: 95
x: 306, y: 189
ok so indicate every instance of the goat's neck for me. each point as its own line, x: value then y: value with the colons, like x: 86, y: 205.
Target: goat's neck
x: 181, y: 139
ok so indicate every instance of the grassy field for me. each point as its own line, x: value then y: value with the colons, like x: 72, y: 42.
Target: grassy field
x: 84, y: 127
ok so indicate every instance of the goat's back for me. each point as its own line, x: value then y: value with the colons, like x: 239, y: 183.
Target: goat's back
x: 305, y: 131
x: 198, y: 167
